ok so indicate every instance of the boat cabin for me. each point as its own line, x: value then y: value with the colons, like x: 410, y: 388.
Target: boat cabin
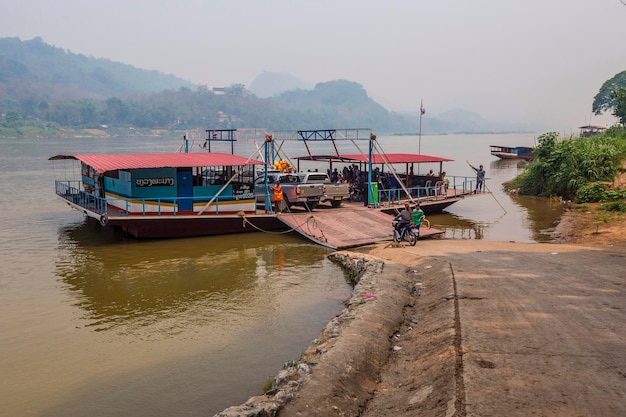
x: 159, y: 184
x: 590, y: 130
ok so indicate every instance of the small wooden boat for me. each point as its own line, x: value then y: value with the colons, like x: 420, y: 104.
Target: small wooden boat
x: 590, y: 130
x: 507, y: 152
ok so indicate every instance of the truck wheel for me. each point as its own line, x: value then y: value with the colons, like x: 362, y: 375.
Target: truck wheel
x: 335, y: 203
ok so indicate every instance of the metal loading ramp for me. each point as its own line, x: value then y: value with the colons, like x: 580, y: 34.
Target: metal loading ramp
x: 341, y: 229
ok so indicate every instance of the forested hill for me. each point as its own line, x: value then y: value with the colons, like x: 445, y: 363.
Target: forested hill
x: 36, y: 65
x: 45, y: 88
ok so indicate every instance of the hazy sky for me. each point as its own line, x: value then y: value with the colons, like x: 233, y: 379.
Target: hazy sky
x: 523, y: 61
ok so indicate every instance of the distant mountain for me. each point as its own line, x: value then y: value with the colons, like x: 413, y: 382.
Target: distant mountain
x: 464, y: 121
x: 269, y: 84
x: 42, y: 85
x: 340, y: 103
x: 54, y: 72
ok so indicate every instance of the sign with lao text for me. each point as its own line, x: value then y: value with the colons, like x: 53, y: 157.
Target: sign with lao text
x: 154, y: 182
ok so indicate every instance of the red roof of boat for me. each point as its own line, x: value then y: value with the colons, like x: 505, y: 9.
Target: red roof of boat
x: 110, y: 162
x: 392, y: 158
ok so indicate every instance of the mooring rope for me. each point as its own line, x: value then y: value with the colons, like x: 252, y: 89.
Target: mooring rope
x: 246, y: 221
x: 308, y: 221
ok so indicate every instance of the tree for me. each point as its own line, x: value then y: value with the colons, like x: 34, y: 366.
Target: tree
x: 236, y: 90
x: 619, y: 111
x: 12, y: 117
x: 115, y: 112
x: 604, y: 100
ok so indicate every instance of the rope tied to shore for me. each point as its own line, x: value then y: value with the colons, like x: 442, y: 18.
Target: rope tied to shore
x: 246, y: 221
x: 321, y: 238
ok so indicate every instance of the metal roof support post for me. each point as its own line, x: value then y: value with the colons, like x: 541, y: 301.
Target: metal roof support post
x: 369, y: 171
x: 268, y: 142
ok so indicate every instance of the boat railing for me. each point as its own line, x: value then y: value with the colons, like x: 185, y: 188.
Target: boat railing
x: 71, y: 191
x: 458, y: 187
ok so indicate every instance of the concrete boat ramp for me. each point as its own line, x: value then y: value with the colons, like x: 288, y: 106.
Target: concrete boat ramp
x: 345, y: 227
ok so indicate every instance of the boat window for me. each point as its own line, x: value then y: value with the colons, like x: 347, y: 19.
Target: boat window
x: 289, y: 179
x: 317, y: 177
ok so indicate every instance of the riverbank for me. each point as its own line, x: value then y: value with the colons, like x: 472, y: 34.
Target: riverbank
x: 590, y: 224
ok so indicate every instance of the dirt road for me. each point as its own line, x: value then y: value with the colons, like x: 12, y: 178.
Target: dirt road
x: 466, y: 328
x: 542, y: 329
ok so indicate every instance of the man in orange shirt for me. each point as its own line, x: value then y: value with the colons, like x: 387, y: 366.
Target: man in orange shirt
x: 278, y: 197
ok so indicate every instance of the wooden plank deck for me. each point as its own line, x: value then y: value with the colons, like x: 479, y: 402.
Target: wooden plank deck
x: 348, y: 226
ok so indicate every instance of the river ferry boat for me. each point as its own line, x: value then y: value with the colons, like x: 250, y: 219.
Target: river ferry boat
x: 167, y: 195
x: 508, y: 152
x: 170, y: 195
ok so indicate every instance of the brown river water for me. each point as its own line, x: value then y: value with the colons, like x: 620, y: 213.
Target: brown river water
x: 92, y: 323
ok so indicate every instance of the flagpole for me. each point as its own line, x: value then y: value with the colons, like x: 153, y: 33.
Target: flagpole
x: 419, y: 146
x: 419, y: 149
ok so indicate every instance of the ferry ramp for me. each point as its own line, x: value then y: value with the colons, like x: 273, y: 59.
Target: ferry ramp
x: 339, y: 228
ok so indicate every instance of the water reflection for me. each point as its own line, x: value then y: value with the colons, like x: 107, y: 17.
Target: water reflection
x: 513, y: 165
x: 137, y: 283
x: 543, y: 215
x: 456, y: 227
x: 534, y: 217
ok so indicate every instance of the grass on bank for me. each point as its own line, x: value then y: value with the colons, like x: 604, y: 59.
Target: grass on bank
x: 577, y: 169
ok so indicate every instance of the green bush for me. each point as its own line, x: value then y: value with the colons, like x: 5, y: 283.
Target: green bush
x: 617, y: 206
x: 565, y: 168
x: 268, y: 384
x: 591, y: 192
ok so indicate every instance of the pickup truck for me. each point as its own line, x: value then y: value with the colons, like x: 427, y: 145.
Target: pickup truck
x: 333, y: 191
x: 294, y: 191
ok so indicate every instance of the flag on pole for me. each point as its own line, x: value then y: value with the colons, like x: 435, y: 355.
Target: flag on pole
x: 422, y: 109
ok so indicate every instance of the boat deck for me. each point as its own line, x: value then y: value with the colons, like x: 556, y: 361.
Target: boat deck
x: 348, y: 226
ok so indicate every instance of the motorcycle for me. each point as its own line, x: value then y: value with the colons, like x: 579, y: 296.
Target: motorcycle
x: 355, y: 194
x: 407, y: 233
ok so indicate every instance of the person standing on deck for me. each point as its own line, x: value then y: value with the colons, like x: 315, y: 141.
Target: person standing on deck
x: 444, y: 183
x: 480, y: 178
x: 278, y: 197
x: 389, y: 183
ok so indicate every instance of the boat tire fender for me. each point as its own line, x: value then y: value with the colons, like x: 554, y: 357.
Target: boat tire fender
x: 104, y: 220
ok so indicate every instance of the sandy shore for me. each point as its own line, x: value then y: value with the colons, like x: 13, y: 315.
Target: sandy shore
x: 468, y: 328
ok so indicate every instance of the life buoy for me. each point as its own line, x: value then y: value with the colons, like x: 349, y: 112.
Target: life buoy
x: 104, y: 220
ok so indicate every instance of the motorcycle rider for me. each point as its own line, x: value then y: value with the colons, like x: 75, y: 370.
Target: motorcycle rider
x: 403, y: 220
